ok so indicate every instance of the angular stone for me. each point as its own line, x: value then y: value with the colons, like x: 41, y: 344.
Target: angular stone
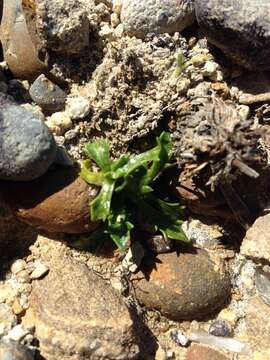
x: 78, y: 316
x: 185, y: 286
x: 27, y: 147
x: 198, y: 352
x: 256, y: 244
x: 19, y: 41
x: 63, y: 26
x: 151, y: 16
x: 47, y: 95
x: 56, y: 202
x: 241, y: 29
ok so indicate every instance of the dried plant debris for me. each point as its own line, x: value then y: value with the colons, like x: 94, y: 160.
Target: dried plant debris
x: 212, y: 137
x: 130, y: 90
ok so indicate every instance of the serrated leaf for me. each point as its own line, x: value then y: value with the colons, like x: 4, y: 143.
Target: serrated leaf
x: 99, y: 152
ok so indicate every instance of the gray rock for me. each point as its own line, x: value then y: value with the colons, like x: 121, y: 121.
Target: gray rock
x: 159, y: 245
x: 78, y: 316
x: 11, y: 350
x: 262, y: 282
x: 220, y: 328
x: 27, y: 147
x: 186, y: 286
x: 47, y: 95
x: 62, y: 158
x: 156, y: 16
x: 63, y: 26
x: 241, y: 29
x: 256, y: 243
x: 6, y: 99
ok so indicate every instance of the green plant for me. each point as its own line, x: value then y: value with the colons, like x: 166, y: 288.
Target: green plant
x: 126, y: 190
x: 182, y: 62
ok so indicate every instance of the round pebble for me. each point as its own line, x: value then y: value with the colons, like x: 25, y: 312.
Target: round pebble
x: 59, y: 122
x: 220, y: 328
x: 78, y: 107
x: 156, y: 16
x: 18, y: 266
x: 188, y: 286
x: 27, y: 148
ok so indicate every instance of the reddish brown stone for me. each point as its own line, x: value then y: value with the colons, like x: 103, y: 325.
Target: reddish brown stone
x: 198, y: 352
x: 183, y: 286
x: 56, y: 202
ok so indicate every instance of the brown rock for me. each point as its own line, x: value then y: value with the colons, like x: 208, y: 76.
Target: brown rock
x: 78, y: 316
x: 56, y: 202
x: 18, y: 39
x: 257, y: 325
x: 256, y: 244
x: 198, y: 352
x: 186, y: 286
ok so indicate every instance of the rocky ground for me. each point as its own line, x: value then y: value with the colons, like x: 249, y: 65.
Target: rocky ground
x: 72, y: 72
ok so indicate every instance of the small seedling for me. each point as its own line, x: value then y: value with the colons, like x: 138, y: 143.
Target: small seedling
x: 126, y: 191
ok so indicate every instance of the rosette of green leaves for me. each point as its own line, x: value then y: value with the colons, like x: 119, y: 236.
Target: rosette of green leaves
x: 126, y: 191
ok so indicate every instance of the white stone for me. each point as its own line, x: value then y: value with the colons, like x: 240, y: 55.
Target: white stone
x: 17, y: 333
x: 78, y: 107
x: 134, y: 257
x: 18, y: 266
x: 156, y: 16
x: 39, y: 271
x: 59, y: 122
x: 210, y: 68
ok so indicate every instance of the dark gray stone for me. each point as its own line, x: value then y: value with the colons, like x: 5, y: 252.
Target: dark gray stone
x: 159, y: 245
x: 6, y: 99
x: 241, y: 29
x: 27, y: 147
x: 220, y: 328
x: 47, y: 95
x: 11, y: 350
